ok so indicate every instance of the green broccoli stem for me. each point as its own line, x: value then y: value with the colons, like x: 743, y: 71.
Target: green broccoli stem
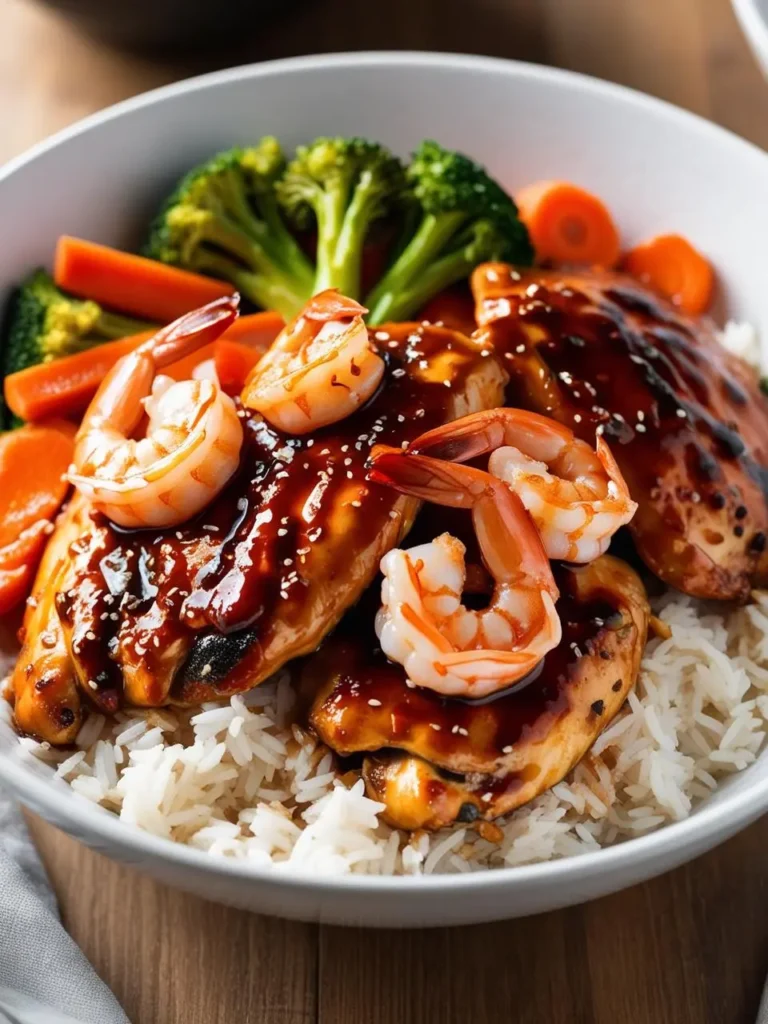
x: 329, y: 207
x: 269, y: 290
x: 287, y: 252
x: 389, y: 297
x: 259, y: 278
x: 405, y: 304
x: 345, y: 273
x: 113, y: 325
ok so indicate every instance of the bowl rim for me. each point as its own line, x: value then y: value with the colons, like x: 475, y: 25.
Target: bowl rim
x: 754, y: 25
x: 692, y: 832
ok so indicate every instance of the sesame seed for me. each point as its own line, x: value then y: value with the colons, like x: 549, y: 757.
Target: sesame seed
x: 435, y: 726
x: 399, y: 372
x: 455, y: 729
x: 447, y: 383
x: 356, y: 504
x: 423, y: 364
x: 310, y: 442
x: 179, y: 535
x: 93, y: 684
x: 463, y: 732
x: 418, y: 414
x: 374, y: 703
x: 507, y: 750
x: 485, y: 352
x: 205, y: 671
x: 211, y: 527
x: 114, y: 616
x: 577, y: 418
x: 640, y: 428
x: 640, y: 415
x: 90, y: 635
x: 682, y: 413
x: 393, y: 514
x: 287, y: 561
x: 520, y: 349
x: 282, y: 532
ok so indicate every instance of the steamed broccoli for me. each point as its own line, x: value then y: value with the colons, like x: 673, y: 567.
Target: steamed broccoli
x: 462, y: 218
x: 223, y: 220
x: 341, y: 186
x: 45, y: 324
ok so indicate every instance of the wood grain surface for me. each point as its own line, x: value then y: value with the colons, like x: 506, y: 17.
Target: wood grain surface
x: 688, y: 948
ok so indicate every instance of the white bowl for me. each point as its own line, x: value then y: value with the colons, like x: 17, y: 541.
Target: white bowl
x: 657, y: 167
x: 753, y: 16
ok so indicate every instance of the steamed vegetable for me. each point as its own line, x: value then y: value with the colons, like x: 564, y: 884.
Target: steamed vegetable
x: 46, y: 324
x: 671, y: 266
x: 568, y: 224
x: 133, y: 284
x: 33, y: 484
x: 223, y: 220
x: 340, y: 187
x: 65, y: 386
x: 459, y: 217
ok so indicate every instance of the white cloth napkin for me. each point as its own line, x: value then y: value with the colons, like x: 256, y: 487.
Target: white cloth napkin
x: 44, y: 977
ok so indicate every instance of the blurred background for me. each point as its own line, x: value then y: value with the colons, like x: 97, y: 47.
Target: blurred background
x: 66, y: 58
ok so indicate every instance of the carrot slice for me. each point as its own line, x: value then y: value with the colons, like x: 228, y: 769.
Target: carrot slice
x: 33, y: 484
x: 233, y: 362
x: 671, y: 266
x: 129, y: 283
x: 257, y: 330
x: 567, y: 224
x: 65, y: 386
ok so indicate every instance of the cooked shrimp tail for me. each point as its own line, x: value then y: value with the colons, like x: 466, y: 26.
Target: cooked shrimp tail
x: 422, y: 624
x: 320, y: 368
x: 576, y: 496
x: 193, y: 437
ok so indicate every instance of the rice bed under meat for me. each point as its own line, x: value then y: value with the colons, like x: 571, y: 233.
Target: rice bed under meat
x: 238, y: 780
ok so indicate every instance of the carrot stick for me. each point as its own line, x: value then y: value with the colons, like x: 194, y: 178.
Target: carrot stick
x: 33, y: 484
x: 671, y: 266
x: 65, y: 386
x: 568, y: 224
x: 233, y: 361
x: 131, y: 284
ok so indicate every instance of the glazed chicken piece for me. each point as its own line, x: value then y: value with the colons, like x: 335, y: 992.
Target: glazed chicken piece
x: 685, y: 420
x: 214, y: 606
x: 499, y: 753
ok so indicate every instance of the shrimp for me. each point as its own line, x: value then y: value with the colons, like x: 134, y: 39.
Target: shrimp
x: 193, y: 438
x: 320, y: 368
x: 422, y: 623
x: 577, y: 497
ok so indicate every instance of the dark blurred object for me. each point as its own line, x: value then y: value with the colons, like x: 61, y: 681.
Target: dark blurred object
x: 153, y: 25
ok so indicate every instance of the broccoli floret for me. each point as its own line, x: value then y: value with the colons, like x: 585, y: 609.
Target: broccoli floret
x: 45, y: 324
x: 223, y: 220
x: 462, y: 218
x: 341, y: 186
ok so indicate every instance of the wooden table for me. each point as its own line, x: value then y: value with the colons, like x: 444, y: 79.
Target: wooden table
x: 688, y: 948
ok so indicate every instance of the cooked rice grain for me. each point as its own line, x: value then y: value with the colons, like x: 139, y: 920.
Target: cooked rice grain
x: 239, y: 780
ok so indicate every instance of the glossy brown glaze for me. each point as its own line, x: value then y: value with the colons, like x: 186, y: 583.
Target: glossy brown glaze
x: 685, y: 420
x: 511, y: 747
x: 214, y: 607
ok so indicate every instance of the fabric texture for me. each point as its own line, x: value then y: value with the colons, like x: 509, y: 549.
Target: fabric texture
x: 44, y: 977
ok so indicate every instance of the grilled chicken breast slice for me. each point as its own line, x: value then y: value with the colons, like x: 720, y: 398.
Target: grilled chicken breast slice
x: 508, y: 749
x: 685, y: 419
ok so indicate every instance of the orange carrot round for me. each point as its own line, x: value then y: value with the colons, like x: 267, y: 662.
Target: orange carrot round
x: 671, y: 266
x: 567, y: 224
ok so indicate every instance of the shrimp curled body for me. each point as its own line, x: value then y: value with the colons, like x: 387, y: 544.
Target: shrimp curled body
x: 422, y: 623
x: 191, y: 446
x: 577, y: 497
x: 319, y: 369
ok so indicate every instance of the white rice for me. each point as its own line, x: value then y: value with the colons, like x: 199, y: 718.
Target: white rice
x: 239, y: 780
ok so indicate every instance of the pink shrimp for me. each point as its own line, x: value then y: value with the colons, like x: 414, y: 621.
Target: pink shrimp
x: 576, y: 496
x: 422, y: 623
x: 193, y: 438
